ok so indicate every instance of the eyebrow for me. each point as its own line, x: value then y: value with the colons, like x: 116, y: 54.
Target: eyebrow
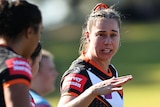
x: 114, y: 31
x: 111, y: 30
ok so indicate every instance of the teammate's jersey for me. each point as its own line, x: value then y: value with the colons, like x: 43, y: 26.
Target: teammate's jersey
x: 32, y: 102
x: 13, y: 70
x: 82, y: 74
x: 38, y: 100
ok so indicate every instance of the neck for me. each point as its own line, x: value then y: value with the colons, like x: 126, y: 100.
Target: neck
x: 18, y: 47
x: 102, y: 63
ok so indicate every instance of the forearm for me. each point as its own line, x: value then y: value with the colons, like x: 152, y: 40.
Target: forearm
x: 82, y: 100
x: 101, y: 88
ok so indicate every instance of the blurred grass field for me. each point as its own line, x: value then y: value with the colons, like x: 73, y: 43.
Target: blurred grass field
x: 139, y: 55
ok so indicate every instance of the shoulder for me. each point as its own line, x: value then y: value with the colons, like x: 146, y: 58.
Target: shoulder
x: 13, y: 68
x: 18, y: 66
x: 75, y: 78
x: 76, y: 67
x: 75, y: 72
x: 12, y: 61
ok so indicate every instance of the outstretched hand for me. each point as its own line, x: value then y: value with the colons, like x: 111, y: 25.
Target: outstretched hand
x: 110, y: 85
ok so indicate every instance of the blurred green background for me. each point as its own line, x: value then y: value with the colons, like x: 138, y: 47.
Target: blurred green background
x: 138, y: 54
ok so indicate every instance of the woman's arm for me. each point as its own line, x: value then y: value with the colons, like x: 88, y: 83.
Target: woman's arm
x: 17, y: 95
x: 82, y: 100
x: 102, y: 88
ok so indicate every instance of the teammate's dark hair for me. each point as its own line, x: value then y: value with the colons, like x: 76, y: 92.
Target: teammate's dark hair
x: 17, y: 17
x: 36, y: 51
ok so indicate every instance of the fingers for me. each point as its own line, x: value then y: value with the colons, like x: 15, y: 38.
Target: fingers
x: 116, y: 89
x: 114, y: 84
x: 110, y: 85
x: 127, y: 76
x: 121, y: 80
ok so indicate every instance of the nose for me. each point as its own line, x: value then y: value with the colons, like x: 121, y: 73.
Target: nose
x: 107, y: 40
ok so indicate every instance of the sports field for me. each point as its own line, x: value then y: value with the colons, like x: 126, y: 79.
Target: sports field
x: 138, y: 55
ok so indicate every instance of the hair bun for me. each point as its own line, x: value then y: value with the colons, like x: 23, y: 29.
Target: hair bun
x: 100, y: 6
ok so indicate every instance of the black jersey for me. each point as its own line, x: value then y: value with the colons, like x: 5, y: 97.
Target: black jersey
x: 84, y: 73
x: 13, y: 70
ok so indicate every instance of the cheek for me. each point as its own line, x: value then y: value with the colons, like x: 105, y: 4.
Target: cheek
x: 46, y: 76
x: 94, y: 41
x: 34, y: 69
x: 116, y: 44
x: 98, y: 43
x: 39, y: 36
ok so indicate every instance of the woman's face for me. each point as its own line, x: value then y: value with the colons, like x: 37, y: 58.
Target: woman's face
x: 104, y: 39
x: 48, y: 75
x: 34, y: 38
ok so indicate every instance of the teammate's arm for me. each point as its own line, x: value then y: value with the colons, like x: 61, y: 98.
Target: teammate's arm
x: 15, y: 91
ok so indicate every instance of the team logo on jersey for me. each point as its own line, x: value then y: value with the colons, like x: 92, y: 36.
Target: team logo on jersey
x: 19, y: 66
x: 74, y: 81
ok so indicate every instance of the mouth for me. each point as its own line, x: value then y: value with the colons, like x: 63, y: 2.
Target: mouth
x: 107, y: 51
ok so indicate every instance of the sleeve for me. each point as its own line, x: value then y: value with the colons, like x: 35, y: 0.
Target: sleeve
x: 73, y: 84
x: 17, y: 71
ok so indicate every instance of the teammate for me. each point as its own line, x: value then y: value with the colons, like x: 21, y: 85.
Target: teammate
x: 35, y: 59
x: 34, y: 63
x: 91, y: 80
x: 43, y: 82
x: 20, y: 30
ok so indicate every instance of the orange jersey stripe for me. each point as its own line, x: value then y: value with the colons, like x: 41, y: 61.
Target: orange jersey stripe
x: 16, y: 81
x: 102, y: 101
x: 108, y: 73
x: 70, y: 94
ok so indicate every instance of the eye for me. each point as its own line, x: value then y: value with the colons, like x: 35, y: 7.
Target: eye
x: 113, y: 35
x: 100, y: 34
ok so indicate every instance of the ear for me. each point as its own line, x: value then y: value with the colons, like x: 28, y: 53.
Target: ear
x: 87, y: 36
x: 29, y: 32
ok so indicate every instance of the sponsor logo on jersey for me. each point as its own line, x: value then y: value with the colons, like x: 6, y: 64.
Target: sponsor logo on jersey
x: 74, y: 81
x: 19, y: 66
